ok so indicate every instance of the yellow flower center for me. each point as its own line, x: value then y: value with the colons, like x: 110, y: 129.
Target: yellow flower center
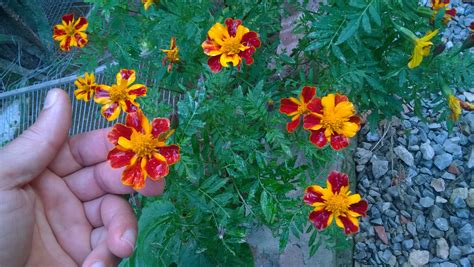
x: 330, y: 121
x: 337, y: 204
x: 232, y: 46
x: 302, y: 109
x: 142, y: 144
x: 69, y: 29
x: 118, y: 92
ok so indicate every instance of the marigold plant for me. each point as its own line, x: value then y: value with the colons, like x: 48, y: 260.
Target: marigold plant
x: 71, y: 32
x: 86, y: 87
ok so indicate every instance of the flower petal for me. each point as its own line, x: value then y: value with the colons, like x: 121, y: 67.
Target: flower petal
x: 318, y: 138
x: 349, y: 224
x: 218, y: 33
x: 156, y: 167
x: 110, y: 111
x: 336, y: 181
x: 65, y: 44
x: 293, y: 124
x: 137, y: 89
x: 130, y: 106
x: 315, y: 105
x: 81, y: 39
x: 134, y: 176
x: 211, y: 48
x: 321, y: 218
x: 360, y: 207
x: 119, y: 130
x: 232, y: 25
x: 313, y: 194
x: 214, y: 64
x: 125, y: 75
x: 59, y: 33
x: 159, y: 126
x: 135, y: 120
x: 67, y: 18
x: 344, y: 109
x: 312, y: 122
x: 247, y: 55
x: 339, y: 142
x: 225, y: 59
x: 341, y: 98
x: 288, y: 106
x: 307, y: 93
x: 170, y: 153
x: 251, y: 39
x: 81, y: 24
x: 328, y: 103
x: 102, y: 95
x: 120, y: 158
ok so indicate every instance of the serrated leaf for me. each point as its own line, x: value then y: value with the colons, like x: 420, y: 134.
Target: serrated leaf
x: 313, y: 46
x: 266, y: 206
x: 338, y: 53
x: 366, y: 23
x: 375, y: 15
x: 348, y: 31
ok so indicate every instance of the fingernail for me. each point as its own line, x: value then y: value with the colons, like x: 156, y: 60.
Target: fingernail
x: 50, y: 99
x: 98, y: 264
x: 129, y: 237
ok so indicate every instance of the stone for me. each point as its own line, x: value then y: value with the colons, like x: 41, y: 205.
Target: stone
x: 441, y: 137
x: 465, y: 262
x: 453, y: 169
x: 419, y: 257
x: 455, y: 253
x: 411, y: 228
x: 386, y: 255
x: 363, y: 156
x: 427, y: 151
x: 458, y: 203
x: 405, y: 155
x: 470, y: 161
x: 452, y: 148
x: 466, y: 234
x: 447, y: 264
x: 442, y: 248
x: 443, y: 161
x: 380, y: 231
x: 470, y: 198
x: 379, y: 167
x: 448, y: 176
x: 407, y: 244
x: 373, y: 136
x: 438, y: 185
x: 440, y: 200
x: 426, y: 202
x: 459, y: 192
x: 469, y: 96
x: 442, y: 224
x: 435, y: 233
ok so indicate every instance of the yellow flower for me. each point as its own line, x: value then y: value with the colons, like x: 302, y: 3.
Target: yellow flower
x: 422, y: 49
x: 148, y: 3
x: 71, y: 32
x: 85, y: 87
x: 455, y: 106
x: 172, y: 54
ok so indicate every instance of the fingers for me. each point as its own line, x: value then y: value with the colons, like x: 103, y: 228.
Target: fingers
x: 100, y: 256
x: 153, y: 188
x: 29, y: 154
x: 65, y: 214
x: 117, y: 216
x: 95, y: 181
x: 82, y: 150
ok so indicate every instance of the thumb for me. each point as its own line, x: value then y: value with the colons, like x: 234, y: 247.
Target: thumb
x: 28, y: 155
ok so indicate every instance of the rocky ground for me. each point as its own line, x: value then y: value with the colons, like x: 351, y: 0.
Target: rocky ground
x: 419, y: 181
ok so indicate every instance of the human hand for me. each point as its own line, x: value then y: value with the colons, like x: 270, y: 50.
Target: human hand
x: 58, y: 196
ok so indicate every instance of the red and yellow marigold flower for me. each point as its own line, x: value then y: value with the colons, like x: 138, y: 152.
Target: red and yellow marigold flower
x: 335, y: 202
x: 71, y: 32
x: 297, y: 107
x: 148, y: 3
x: 332, y: 118
x: 120, y: 96
x: 141, y: 148
x: 454, y: 105
x: 229, y: 44
x: 449, y: 13
x: 422, y: 49
x: 172, y: 54
x: 86, y: 87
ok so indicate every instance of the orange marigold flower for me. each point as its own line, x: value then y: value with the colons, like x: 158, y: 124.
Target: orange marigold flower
x: 86, y: 87
x: 455, y: 106
x: 71, y: 32
x: 172, y: 55
x: 335, y: 202
x: 120, y: 96
x: 141, y: 148
x: 449, y: 13
x: 331, y: 119
x: 229, y: 44
x: 297, y: 107
x: 148, y: 3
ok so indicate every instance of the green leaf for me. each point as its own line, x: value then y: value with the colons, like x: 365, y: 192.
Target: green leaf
x: 266, y: 205
x: 366, y: 23
x: 348, y: 31
x: 375, y: 15
x: 284, y: 239
x: 338, y: 53
x: 313, y: 46
x: 286, y: 59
